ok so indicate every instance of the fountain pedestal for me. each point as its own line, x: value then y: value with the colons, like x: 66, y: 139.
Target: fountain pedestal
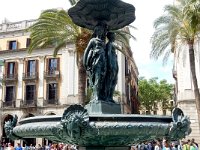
x: 100, y: 131
x: 103, y: 107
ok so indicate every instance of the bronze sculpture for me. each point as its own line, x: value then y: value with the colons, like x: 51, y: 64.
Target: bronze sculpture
x: 112, y: 67
x: 100, y: 61
x: 95, y: 62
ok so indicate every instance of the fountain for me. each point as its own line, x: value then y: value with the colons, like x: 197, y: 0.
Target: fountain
x: 100, y: 124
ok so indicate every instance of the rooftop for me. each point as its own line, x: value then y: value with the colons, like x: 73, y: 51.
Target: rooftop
x: 16, y: 26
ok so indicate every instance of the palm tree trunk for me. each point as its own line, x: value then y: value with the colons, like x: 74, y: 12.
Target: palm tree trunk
x: 194, y: 79
x: 81, y: 82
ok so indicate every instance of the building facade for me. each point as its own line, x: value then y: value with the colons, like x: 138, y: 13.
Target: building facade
x: 159, y: 109
x: 40, y: 84
x: 184, y: 90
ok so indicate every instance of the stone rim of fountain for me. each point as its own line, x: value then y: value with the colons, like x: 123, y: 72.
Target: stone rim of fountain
x: 78, y: 127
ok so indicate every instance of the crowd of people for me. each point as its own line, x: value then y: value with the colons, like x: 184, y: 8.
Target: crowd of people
x: 53, y: 146
x: 153, y: 145
x: 165, y: 145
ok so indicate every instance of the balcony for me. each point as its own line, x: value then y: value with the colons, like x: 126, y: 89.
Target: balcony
x: 49, y: 75
x: 28, y: 103
x: 30, y: 76
x: 10, y: 78
x: 10, y: 104
x: 51, y: 102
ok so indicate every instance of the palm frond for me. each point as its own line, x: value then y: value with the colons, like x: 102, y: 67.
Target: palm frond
x: 60, y: 45
x: 122, y: 38
x: 125, y: 53
x: 53, y: 26
x: 179, y: 24
x: 132, y: 27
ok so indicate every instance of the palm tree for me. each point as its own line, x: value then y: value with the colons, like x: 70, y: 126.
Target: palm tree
x: 180, y: 25
x: 55, y: 28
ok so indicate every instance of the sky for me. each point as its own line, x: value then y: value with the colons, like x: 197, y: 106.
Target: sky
x: 146, y: 12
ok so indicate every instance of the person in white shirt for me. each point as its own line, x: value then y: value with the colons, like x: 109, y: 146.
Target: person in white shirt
x: 157, y: 146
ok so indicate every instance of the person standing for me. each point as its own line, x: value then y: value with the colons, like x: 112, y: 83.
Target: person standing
x: 196, y: 145
x: 18, y: 147
x: 174, y: 146
x: 166, y: 145
x: 192, y: 145
x: 157, y: 146
x: 186, y: 146
x: 39, y: 147
x: 10, y: 147
x: 32, y: 147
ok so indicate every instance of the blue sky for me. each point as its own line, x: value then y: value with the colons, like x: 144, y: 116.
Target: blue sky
x: 146, y: 12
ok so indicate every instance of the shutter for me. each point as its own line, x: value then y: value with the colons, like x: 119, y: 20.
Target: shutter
x: 47, y: 65
x: 6, y: 68
x: 14, y: 93
x: 25, y: 92
x: 47, y: 92
x: 17, y: 43
x: 26, y: 67
x: 8, y: 45
x: 57, y: 92
x: 28, y: 42
x: 16, y: 69
x: 5, y: 90
x: 58, y: 64
x: 36, y: 67
x: 35, y: 93
x: 15, y: 96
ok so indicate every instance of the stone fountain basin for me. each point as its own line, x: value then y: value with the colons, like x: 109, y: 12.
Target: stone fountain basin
x: 81, y: 128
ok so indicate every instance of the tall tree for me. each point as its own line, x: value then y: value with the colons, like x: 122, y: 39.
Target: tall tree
x: 165, y: 94
x: 55, y: 28
x: 148, y: 94
x: 152, y: 92
x: 180, y: 25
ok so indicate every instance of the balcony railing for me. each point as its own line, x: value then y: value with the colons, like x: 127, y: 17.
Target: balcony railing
x: 9, y: 104
x: 28, y: 103
x: 30, y: 76
x: 14, y: 26
x: 10, y: 77
x: 51, y: 102
x: 55, y: 74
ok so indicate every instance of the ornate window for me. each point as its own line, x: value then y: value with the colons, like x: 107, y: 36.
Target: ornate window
x: 31, y: 67
x: 12, y: 45
x: 28, y: 42
x: 30, y: 93
x: 10, y: 94
x: 53, y: 65
x: 52, y: 93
